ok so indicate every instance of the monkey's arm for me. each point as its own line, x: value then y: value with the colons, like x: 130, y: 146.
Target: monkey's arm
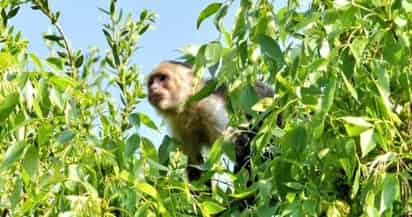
x: 214, y: 116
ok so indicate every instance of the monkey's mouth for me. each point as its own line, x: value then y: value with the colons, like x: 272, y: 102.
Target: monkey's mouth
x: 155, y: 97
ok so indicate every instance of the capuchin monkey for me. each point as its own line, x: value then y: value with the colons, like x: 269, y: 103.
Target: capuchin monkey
x: 196, y: 125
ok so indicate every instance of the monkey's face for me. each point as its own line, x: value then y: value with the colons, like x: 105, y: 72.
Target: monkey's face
x: 168, y: 87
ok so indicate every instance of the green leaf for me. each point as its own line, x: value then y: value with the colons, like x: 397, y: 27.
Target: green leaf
x: 213, y: 52
x: 264, y: 104
x: 208, y: 89
x: 62, y: 82
x: 295, y: 139
x: 13, y: 154
x: 13, y: 12
x: 56, y: 63
x: 215, y: 153
x: 356, y: 125
x: 168, y: 145
x: 56, y: 98
x: 211, y: 207
x: 383, y: 84
x: 270, y: 49
x: 207, y: 12
x: 146, y: 120
x: 79, y: 61
x: 357, y: 47
x: 7, y: 105
x: 16, y: 196
x: 36, y: 60
x: 356, y: 184
x: 31, y: 160
x: 147, y: 189
x: 219, y: 16
x: 324, y: 105
x: 367, y: 141
x: 54, y: 38
x: 65, y: 137
x: 390, y: 192
x: 148, y: 149
x: 7, y: 60
x: 132, y: 144
x: 134, y: 120
x: 245, y: 193
x: 350, y: 87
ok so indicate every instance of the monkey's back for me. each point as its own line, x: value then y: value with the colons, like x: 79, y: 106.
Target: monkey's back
x: 199, y: 125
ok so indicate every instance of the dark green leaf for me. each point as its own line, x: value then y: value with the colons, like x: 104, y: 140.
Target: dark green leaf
x: 31, y: 160
x: 132, y: 144
x: 65, y: 137
x: 390, y: 192
x: 55, y: 38
x: 271, y: 49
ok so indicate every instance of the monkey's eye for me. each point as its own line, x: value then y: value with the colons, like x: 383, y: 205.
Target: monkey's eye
x: 163, y: 78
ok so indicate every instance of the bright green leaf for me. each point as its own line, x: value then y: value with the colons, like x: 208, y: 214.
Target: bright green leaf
x: 211, y: 207
x: 207, y: 12
x: 146, y: 120
x: 263, y: 104
x: 356, y: 125
x: 147, y: 189
x: 7, y: 60
x: 7, y: 105
x: 367, y: 141
x: 13, y: 154
x: 357, y: 47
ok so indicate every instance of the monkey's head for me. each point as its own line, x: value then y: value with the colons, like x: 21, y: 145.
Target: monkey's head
x: 170, y: 85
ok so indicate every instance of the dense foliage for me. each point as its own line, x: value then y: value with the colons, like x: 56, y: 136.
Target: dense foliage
x: 335, y: 140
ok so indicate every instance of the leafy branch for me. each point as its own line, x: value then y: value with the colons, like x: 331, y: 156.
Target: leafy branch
x: 43, y: 6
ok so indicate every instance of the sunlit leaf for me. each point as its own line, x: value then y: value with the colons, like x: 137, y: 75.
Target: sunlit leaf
x: 367, y: 141
x: 357, y: 47
x: 211, y: 207
x: 62, y: 82
x: 7, y: 105
x: 207, y: 12
x: 147, y: 189
x: 13, y: 154
x: 263, y: 104
x: 356, y: 125
x: 7, y: 60
x: 146, y: 120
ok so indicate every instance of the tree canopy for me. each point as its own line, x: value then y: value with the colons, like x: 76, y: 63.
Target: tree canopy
x: 335, y: 140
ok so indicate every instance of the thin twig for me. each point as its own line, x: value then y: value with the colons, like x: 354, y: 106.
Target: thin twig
x: 66, y: 45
